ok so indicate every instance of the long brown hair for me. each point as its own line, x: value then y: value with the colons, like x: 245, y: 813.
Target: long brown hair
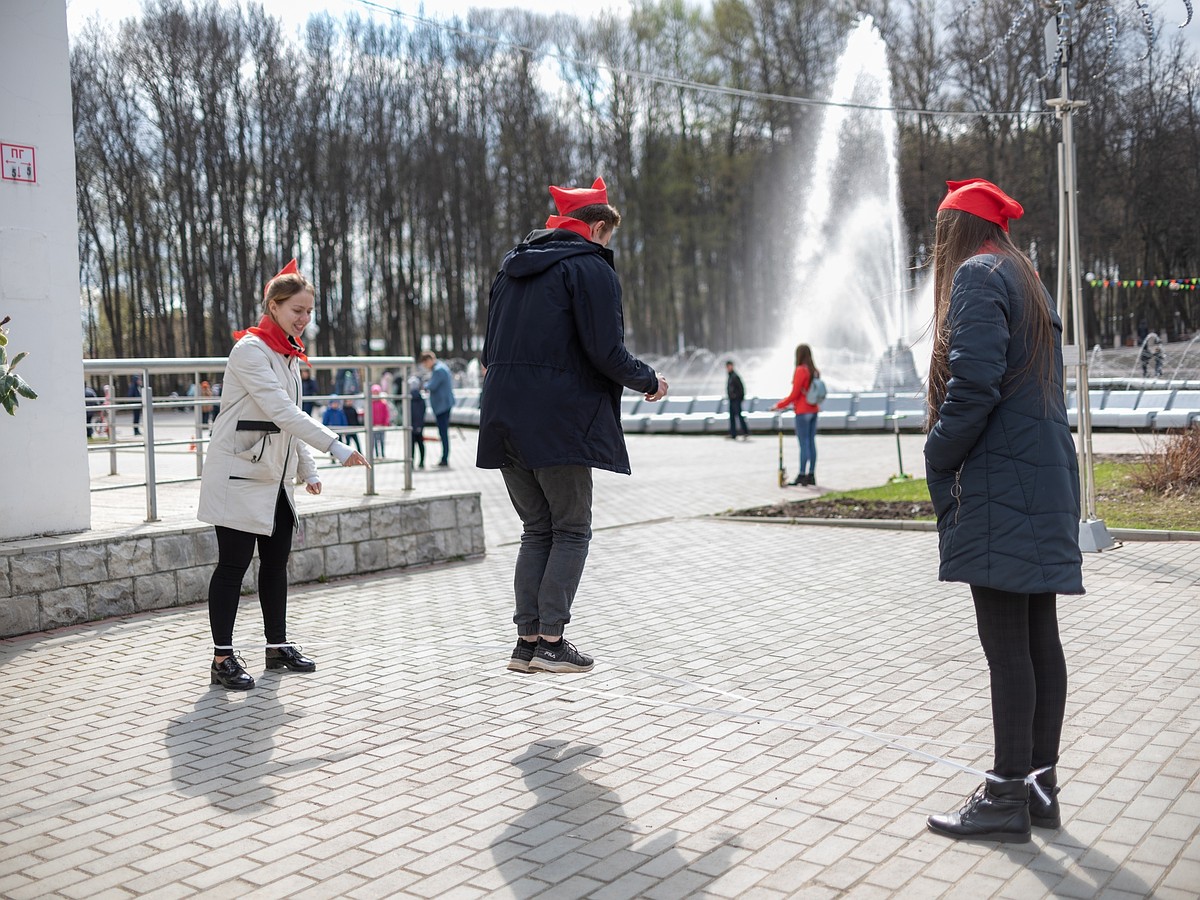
x: 804, y: 358
x: 957, y: 237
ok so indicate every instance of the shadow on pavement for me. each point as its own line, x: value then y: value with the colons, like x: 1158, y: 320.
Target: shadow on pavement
x: 1057, y: 866
x: 224, y: 747
x: 580, y: 828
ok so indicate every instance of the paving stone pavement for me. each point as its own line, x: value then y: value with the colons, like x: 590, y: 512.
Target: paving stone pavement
x: 764, y: 720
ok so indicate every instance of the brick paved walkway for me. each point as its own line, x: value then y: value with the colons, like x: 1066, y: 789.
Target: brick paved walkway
x: 701, y: 758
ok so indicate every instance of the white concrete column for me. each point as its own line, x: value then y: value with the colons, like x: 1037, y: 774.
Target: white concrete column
x: 43, y: 456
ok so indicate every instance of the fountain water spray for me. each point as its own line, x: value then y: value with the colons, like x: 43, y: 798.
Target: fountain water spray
x: 851, y: 298
x: 852, y: 301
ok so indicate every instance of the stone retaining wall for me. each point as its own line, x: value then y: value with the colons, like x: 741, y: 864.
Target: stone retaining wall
x: 50, y: 582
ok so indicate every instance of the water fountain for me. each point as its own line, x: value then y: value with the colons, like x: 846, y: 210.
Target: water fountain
x: 1182, y: 358
x: 853, y: 301
x: 851, y: 298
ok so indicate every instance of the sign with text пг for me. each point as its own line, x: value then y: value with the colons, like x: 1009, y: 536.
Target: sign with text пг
x: 18, y: 163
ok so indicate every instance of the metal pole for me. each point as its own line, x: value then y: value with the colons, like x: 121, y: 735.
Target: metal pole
x: 198, y: 424
x: 1082, y: 386
x: 1062, y: 242
x: 148, y: 437
x: 406, y: 427
x: 1093, y: 535
x: 110, y: 425
x: 366, y: 373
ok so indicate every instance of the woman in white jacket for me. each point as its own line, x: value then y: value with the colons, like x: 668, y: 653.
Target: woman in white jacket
x: 256, y: 454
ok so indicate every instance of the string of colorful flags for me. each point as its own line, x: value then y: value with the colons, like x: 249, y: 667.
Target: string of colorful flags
x: 1173, y: 284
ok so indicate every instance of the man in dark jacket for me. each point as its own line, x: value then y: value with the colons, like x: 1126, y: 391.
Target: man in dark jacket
x: 736, y: 392
x: 555, y: 364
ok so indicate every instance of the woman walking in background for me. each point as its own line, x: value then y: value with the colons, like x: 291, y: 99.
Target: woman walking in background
x: 256, y: 453
x: 806, y: 414
x: 1001, y: 470
x: 381, y: 418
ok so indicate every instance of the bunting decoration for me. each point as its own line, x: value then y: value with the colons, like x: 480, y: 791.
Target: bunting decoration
x: 1171, y: 284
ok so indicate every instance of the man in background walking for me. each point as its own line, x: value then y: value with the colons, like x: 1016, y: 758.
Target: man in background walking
x: 736, y: 392
x: 555, y: 363
x: 441, y: 399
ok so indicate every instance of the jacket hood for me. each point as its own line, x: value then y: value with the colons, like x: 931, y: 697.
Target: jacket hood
x: 545, y: 247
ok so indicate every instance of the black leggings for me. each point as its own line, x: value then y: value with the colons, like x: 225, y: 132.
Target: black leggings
x: 1019, y: 634
x: 235, y: 550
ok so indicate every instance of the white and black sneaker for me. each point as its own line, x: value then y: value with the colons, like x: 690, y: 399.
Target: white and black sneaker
x: 560, y: 656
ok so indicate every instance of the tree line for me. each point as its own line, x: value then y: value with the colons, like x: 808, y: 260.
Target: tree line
x: 401, y: 159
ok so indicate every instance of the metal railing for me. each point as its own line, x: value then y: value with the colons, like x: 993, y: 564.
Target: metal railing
x: 366, y: 369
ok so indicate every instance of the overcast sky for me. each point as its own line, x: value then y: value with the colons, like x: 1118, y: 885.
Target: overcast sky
x: 296, y: 12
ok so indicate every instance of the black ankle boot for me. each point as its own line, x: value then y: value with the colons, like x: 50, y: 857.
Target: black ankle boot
x: 1041, y: 813
x: 289, y: 657
x: 229, y: 674
x: 997, y: 811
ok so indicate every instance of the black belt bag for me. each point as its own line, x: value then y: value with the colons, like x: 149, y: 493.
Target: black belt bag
x: 257, y: 425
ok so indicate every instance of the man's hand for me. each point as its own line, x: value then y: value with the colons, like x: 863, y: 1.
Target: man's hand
x: 662, y: 389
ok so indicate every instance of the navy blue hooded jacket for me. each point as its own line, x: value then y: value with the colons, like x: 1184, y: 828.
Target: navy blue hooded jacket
x: 1013, y: 522
x: 555, y: 358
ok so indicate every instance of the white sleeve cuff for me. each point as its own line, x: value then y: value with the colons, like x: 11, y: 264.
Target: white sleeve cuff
x: 313, y: 479
x: 341, y: 452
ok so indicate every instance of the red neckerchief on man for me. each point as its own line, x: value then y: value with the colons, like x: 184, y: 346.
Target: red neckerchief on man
x: 567, y: 223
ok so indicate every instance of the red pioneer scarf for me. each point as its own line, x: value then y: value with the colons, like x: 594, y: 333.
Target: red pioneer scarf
x: 269, y: 332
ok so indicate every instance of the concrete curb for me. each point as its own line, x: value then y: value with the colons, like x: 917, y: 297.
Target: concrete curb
x: 1148, y: 534
x: 1124, y: 534
x: 893, y: 524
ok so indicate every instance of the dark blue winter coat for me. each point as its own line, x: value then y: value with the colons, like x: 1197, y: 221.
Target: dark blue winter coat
x: 555, y: 358
x: 1013, y: 522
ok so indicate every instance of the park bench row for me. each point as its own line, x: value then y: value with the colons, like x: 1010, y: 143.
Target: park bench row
x: 1138, y: 409
x: 710, y: 415
x: 866, y: 411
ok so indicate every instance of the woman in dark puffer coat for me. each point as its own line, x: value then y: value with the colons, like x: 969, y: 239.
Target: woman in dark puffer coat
x: 1002, y: 474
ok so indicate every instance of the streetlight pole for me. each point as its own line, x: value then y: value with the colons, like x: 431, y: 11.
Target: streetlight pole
x: 1093, y: 535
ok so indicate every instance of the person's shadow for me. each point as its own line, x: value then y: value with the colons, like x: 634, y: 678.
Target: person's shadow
x: 223, y: 748
x: 578, y: 829
x: 1057, y: 865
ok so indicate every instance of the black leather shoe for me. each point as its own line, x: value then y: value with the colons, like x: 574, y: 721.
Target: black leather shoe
x: 289, y: 657
x: 229, y: 674
x: 997, y: 811
x: 1041, y: 813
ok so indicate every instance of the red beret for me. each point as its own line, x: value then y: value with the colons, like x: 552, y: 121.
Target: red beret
x: 982, y: 198
x: 570, y: 199
x: 290, y: 269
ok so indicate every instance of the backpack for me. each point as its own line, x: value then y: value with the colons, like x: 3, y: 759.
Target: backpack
x: 816, y: 392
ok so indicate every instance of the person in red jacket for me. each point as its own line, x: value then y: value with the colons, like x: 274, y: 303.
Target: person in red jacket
x: 806, y: 414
